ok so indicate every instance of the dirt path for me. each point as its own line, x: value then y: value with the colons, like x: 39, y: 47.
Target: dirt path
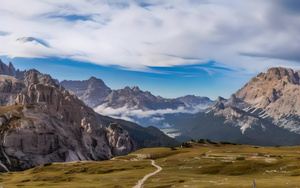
x: 140, y: 183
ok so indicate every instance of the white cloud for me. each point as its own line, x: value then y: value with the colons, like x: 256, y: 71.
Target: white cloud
x: 157, y: 119
x: 167, y: 125
x: 129, y: 113
x: 248, y: 36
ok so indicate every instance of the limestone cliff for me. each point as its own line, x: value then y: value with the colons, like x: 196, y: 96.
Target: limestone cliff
x: 50, y: 124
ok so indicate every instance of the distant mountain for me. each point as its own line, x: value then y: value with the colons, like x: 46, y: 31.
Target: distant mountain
x: 263, y: 112
x: 196, y: 102
x: 10, y: 70
x: 42, y: 122
x: 92, y: 91
x: 132, y: 103
x: 136, y: 98
x: 276, y: 95
x: 144, y: 137
x: 146, y: 109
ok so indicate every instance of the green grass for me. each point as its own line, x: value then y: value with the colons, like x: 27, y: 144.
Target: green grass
x: 202, y: 165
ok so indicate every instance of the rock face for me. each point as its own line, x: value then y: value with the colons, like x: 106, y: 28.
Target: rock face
x: 9, y: 88
x: 50, y: 124
x: 132, y: 103
x: 10, y: 70
x: 275, y: 95
x: 95, y: 94
x: 119, y: 139
x: 136, y: 98
x: 141, y: 106
x: 196, y: 102
x: 42, y: 122
x: 264, y: 112
x: 92, y: 91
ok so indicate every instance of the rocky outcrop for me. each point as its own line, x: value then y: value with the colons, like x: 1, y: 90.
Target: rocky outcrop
x: 33, y: 76
x: 96, y: 94
x: 119, y: 139
x: 10, y: 70
x: 273, y: 96
x: 264, y: 112
x: 276, y: 95
x: 92, y: 91
x: 134, y: 104
x: 138, y: 99
x: 193, y: 102
x: 47, y: 123
x: 9, y: 88
x: 52, y: 125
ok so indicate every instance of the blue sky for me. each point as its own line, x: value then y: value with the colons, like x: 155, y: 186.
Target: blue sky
x: 201, y: 80
x: 169, y: 47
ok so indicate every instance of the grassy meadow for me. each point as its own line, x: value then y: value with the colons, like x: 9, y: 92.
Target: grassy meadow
x: 201, y: 165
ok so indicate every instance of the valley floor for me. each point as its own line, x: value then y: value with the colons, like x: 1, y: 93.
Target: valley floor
x: 201, y: 165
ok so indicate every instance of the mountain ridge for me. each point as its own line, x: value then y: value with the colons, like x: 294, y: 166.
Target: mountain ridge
x: 264, y: 112
x: 43, y: 122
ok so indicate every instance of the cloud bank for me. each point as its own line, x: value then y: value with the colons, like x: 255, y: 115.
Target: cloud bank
x: 156, y: 115
x: 135, y: 34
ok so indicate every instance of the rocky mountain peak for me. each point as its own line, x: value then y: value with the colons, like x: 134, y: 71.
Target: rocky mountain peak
x: 218, y: 105
x: 6, y: 70
x: 92, y: 91
x: 220, y: 99
x: 98, y: 85
x: 268, y: 86
x: 135, y: 89
x: 136, y: 98
x: 273, y: 95
x: 280, y: 73
x: 93, y: 78
x: 127, y: 88
x: 95, y: 81
x: 233, y: 97
x: 33, y: 76
x: 197, y: 102
x: 53, y: 125
x: 11, y: 66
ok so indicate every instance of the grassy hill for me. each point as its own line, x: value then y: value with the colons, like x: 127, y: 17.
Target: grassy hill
x: 201, y: 165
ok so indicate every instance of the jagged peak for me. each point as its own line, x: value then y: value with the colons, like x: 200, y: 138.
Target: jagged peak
x: 233, y: 97
x: 279, y: 69
x: 187, y: 96
x: 135, y: 88
x: 220, y: 98
x: 31, y: 71
x: 2, y: 65
x: 11, y: 66
x: 93, y: 78
x: 280, y: 73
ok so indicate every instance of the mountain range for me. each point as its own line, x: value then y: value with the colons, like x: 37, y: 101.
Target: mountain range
x: 263, y: 112
x: 132, y: 103
x: 43, y: 122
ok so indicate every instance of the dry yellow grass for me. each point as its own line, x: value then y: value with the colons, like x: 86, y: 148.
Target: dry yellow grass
x: 17, y: 108
x: 202, y: 165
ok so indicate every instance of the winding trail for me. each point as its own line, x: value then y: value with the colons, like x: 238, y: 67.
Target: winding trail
x: 140, y: 183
